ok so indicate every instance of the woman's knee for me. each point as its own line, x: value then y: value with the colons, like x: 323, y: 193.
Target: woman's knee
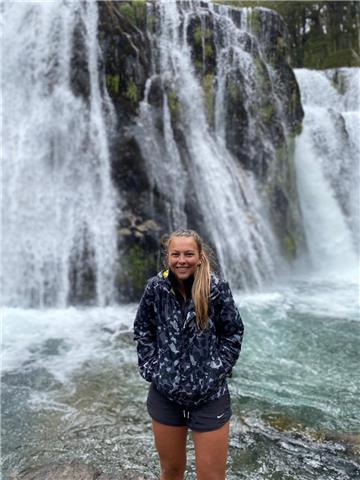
x: 172, y: 471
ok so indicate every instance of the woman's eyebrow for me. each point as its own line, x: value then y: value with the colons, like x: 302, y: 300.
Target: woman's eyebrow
x: 184, y: 251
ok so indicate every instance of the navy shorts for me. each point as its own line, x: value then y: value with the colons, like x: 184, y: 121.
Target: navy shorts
x: 203, y: 418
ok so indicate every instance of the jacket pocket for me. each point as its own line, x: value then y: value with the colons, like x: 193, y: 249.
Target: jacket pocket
x: 216, y: 372
x: 149, y: 369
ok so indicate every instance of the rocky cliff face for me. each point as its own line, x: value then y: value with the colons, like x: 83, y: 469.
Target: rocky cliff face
x: 252, y: 110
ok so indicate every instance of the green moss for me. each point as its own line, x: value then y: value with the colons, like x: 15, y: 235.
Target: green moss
x: 134, y: 11
x: 113, y: 84
x: 127, y: 10
x: 267, y: 111
x: 208, y: 87
x: 201, y: 33
x: 262, y: 78
x: 297, y: 130
x: 282, y: 154
x: 330, y: 39
x: 234, y: 91
x: 209, y: 51
x: 132, y: 93
x: 198, y: 65
x: 173, y: 102
x: 198, y: 35
x: 136, y: 265
x: 151, y: 22
x: 289, y: 245
x: 255, y: 21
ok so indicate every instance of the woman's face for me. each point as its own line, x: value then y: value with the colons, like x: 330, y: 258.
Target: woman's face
x: 183, y: 257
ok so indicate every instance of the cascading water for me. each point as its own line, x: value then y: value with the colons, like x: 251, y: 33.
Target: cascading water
x: 327, y: 158
x: 228, y: 197
x: 70, y: 386
x: 59, y: 206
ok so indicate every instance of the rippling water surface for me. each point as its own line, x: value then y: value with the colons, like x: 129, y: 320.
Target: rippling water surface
x: 71, y: 388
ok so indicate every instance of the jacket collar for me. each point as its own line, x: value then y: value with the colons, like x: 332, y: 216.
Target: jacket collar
x: 165, y: 283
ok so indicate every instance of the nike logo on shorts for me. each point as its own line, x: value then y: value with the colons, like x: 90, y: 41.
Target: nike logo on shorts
x: 219, y: 416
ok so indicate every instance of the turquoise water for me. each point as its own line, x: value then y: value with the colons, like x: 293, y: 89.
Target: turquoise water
x: 71, y: 388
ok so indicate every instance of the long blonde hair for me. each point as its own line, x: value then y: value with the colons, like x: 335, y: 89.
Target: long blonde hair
x: 200, y: 291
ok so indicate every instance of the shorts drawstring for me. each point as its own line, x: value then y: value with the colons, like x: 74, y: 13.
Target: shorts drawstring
x: 186, y: 414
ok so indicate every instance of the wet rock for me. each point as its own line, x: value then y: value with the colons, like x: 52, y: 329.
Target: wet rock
x: 256, y: 130
x: 139, y: 240
x: 73, y: 471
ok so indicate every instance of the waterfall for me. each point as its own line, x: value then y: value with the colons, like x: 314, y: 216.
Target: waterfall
x: 199, y: 166
x: 327, y: 159
x: 59, y: 205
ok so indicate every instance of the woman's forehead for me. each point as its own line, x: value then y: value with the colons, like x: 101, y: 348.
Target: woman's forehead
x: 183, y: 243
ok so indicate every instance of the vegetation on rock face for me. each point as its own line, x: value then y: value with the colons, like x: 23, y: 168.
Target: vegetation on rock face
x: 323, y: 34
x: 209, y: 91
x: 134, y: 11
x: 136, y: 266
x: 127, y: 35
x: 140, y: 257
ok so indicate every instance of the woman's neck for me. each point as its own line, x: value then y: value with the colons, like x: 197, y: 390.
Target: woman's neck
x: 183, y: 286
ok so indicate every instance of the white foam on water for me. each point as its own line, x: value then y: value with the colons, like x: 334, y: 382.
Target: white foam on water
x: 83, y: 334
x: 327, y: 167
x: 59, y: 204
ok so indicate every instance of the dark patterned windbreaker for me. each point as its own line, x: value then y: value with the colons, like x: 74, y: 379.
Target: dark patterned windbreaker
x: 186, y: 364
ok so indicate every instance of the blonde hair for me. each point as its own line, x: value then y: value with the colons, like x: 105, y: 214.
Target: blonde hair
x: 200, y: 291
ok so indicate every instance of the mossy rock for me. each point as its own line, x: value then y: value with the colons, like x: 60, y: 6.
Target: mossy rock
x: 201, y: 39
x: 209, y: 97
x: 134, y: 11
x: 174, y: 103
x: 289, y: 246
x: 113, y: 84
x: 137, y: 265
x: 132, y: 93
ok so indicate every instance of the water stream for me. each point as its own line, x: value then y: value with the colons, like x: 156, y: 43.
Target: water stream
x: 70, y: 386
x: 59, y: 205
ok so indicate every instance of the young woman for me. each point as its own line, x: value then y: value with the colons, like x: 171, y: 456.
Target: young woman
x: 188, y: 332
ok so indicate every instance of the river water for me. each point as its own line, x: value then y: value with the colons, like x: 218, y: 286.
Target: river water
x: 71, y: 387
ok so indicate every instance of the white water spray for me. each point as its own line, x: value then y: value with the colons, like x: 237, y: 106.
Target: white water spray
x: 327, y: 158
x: 227, y: 196
x: 58, y: 215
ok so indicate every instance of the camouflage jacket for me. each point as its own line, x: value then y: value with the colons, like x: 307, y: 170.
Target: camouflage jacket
x: 186, y: 364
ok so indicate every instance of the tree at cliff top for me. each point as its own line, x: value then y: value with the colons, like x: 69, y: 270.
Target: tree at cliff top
x: 323, y: 34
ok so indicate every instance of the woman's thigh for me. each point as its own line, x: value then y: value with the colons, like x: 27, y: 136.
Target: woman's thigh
x: 211, y: 451
x: 170, y: 443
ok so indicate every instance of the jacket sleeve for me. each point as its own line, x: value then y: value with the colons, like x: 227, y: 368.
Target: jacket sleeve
x: 145, y: 334
x: 230, y: 329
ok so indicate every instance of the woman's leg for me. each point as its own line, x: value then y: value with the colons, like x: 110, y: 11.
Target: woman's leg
x: 211, y: 450
x: 170, y: 443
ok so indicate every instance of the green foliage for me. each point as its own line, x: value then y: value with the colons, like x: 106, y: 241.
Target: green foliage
x: 209, y: 51
x: 132, y: 93
x: 267, y: 111
x: 255, y: 21
x: 289, y: 245
x: 202, y: 33
x: 173, y: 102
x: 208, y: 87
x: 113, y: 84
x: 136, y: 266
x: 198, y: 35
x: 323, y: 34
x: 134, y: 11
